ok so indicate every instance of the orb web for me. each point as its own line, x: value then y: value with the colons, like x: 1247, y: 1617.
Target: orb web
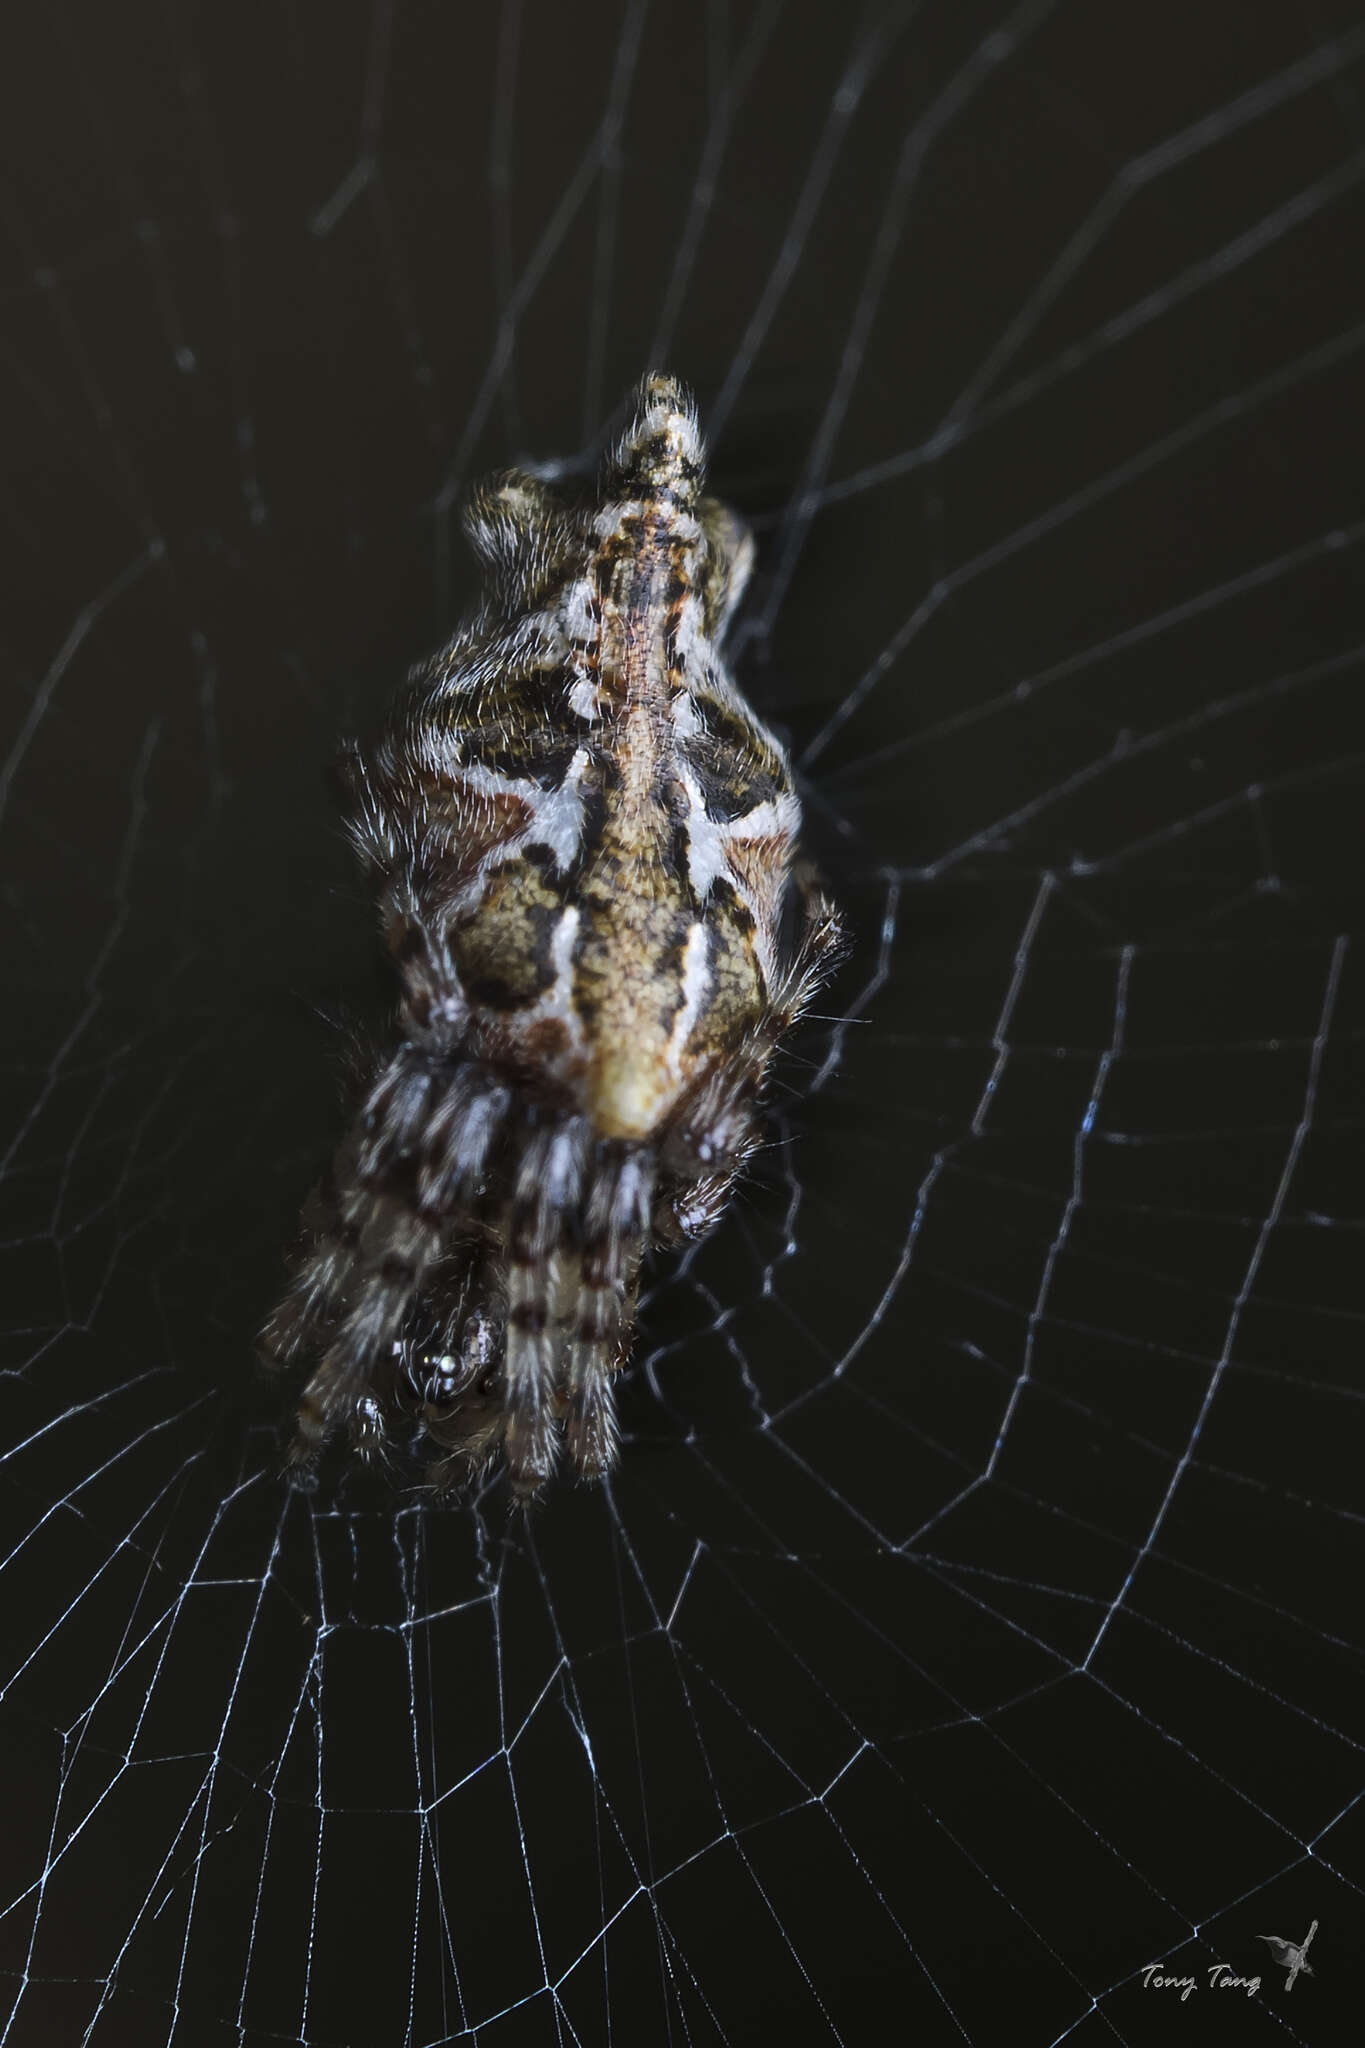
x: 971, y: 1614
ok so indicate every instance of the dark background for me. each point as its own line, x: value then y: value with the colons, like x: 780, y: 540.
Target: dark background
x: 975, y: 1618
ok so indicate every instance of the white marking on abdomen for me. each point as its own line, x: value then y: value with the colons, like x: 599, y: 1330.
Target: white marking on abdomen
x: 696, y: 987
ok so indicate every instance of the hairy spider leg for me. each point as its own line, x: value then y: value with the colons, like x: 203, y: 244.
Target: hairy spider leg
x: 547, y: 1190
x: 342, y: 1209
x: 616, y: 1230
x: 415, y: 1161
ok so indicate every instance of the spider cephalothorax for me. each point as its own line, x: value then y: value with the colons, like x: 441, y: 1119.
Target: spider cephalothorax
x: 583, y: 844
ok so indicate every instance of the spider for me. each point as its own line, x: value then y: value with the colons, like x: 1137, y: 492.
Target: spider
x: 583, y: 844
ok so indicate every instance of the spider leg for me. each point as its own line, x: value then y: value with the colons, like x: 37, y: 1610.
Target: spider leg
x: 546, y: 1192
x: 396, y: 1249
x: 692, y: 1211
x: 415, y: 1161
x: 321, y: 1272
x: 617, y: 1224
x: 340, y: 1210
x: 820, y: 945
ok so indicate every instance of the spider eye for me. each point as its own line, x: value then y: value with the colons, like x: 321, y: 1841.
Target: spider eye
x: 434, y: 1376
x: 443, y: 1374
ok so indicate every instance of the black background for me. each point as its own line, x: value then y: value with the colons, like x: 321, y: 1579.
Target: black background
x: 974, y: 1620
